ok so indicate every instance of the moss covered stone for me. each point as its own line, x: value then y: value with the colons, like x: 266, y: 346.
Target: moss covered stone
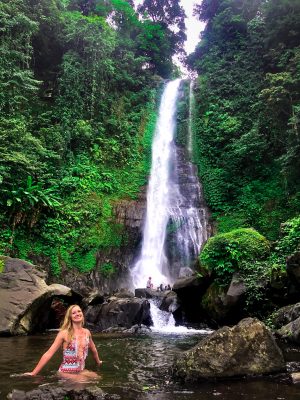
x: 225, y: 253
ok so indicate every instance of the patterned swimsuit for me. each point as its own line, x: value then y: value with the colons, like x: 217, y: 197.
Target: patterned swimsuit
x: 72, y: 363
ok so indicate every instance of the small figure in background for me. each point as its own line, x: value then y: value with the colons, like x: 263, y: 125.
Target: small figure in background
x: 161, y: 287
x: 149, y: 283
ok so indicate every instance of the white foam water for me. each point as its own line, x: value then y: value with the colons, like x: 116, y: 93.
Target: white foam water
x: 163, y: 322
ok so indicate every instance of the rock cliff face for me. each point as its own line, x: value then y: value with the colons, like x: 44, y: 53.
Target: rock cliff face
x: 129, y: 214
x: 189, y: 225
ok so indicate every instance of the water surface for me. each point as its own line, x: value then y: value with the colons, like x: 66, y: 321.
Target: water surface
x: 136, y: 368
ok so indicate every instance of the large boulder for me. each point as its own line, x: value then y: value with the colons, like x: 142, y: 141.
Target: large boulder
x: 245, y: 349
x: 118, y: 312
x: 25, y: 298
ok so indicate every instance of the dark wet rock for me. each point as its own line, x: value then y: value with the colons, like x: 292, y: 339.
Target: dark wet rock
x: 25, y: 298
x: 188, y: 283
x: 169, y: 302
x: 236, y: 291
x: 62, y: 393
x: 124, y: 294
x: 285, y: 315
x: 124, y: 312
x: 190, y: 291
x: 94, y: 298
x: 139, y: 330
x: 135, y: 329
x: 246, y: 349
x: 290, y: 332
x: 293, y: 267
x: 293, y: 277
x: 144, y: 293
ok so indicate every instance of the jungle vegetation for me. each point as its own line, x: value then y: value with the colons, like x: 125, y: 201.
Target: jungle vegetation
x: 78, y: 97
x: 79, y: 87
x: 246, y: 140
x: 247, y: 112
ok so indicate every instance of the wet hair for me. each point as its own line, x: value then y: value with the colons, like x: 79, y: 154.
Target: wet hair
x: 67, y: 322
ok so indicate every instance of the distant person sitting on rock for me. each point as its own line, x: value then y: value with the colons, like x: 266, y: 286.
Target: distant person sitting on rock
x: 168, y: 287
x: 161, y: 287
x: 149, y: 283
x: 75, y: 342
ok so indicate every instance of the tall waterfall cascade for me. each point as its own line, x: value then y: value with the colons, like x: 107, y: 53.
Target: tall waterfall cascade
x: 175, y: 226
x: 190, y: 132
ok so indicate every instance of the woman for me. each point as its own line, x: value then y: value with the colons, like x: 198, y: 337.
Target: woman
x: 75, y: 342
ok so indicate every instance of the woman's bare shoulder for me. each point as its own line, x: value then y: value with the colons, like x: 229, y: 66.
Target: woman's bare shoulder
x: 87, y: 331
x: 63, y: 334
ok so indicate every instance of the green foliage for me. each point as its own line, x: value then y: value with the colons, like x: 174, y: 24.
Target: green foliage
x: 225, y: 253
x: 84, y: 262
x: 226, y: 223
x: 182, y: 115
x: 77, y: 114
x: 256, y: 276
x: 107, y: 269
x: 246, y: 115
x: 289, y: 241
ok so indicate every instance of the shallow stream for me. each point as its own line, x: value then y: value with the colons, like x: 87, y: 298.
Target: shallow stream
x: 136, y: 367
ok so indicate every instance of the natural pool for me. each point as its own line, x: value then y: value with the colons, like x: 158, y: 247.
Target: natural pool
x: 136, y: 367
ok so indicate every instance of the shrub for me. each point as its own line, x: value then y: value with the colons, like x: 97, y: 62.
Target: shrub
x: 224, y: 254
x: 290, y: 240
x: 107, y: 269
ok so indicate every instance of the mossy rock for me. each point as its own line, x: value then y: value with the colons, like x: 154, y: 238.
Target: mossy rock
x: 225, y: 253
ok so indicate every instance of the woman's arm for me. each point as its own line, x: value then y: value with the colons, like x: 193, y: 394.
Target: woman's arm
x: 93, y: 349
x: 49, y: 354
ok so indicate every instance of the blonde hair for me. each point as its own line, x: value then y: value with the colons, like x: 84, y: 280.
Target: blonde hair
x: 67, y: 322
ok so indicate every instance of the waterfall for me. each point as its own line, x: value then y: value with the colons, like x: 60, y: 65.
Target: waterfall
x: 153, y: 260
x: 190, y: 132
x: 175, y: 226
